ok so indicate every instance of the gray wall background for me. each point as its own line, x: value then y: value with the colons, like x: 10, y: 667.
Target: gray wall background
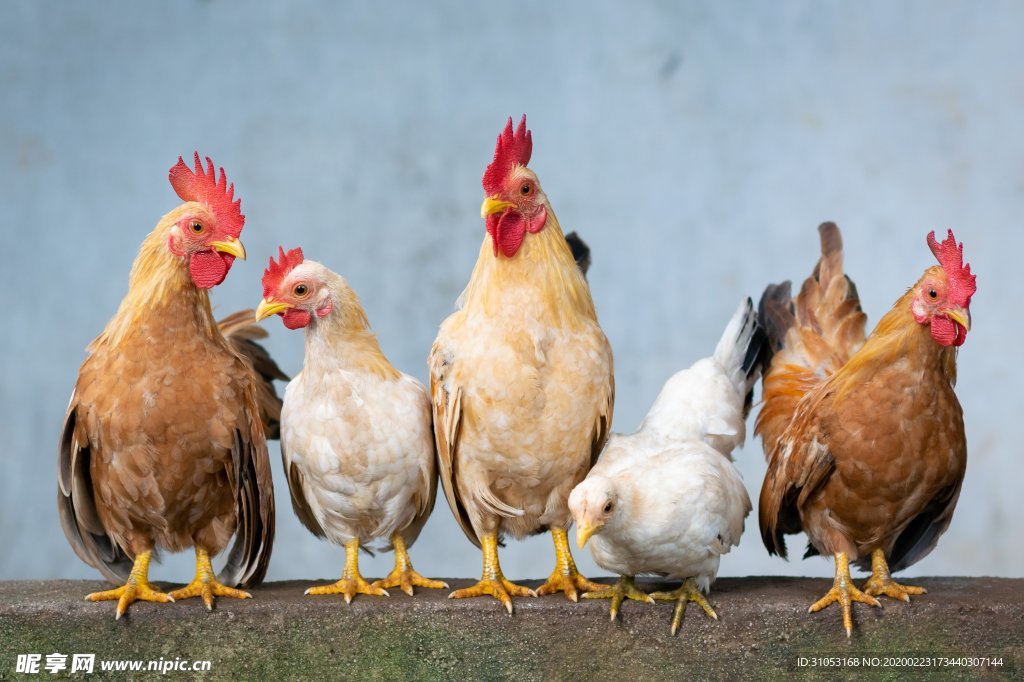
x: 695, y: 146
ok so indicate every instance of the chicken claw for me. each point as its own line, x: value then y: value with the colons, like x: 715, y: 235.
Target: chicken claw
x: 351, y: 583
x: 565, y: 577
x: 492, y: 582
x: 881, y: 581
x: 137, y: 588
x: 687, y: 592
x: 403, y: 575
x: 845, y: 593
x: 205, y: 584
x: 624, y: 588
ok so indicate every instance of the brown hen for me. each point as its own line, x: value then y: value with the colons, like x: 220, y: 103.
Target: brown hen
x: 864, y: 437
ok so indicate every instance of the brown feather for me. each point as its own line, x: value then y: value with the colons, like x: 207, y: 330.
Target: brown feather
x: 242, y: 330
x: 163, y: 443
x: 864, y: 440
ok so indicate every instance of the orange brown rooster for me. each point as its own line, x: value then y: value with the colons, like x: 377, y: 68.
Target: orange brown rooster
x: 164, y: 443
x: 521, y: 379
x: 864, y: 436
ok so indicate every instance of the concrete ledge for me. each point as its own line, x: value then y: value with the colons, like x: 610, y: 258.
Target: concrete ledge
x: 281, y: 634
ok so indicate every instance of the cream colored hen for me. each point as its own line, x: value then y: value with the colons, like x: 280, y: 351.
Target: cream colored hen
x: 356, y: 434
x: 667, y: 499
x: 521, y: 379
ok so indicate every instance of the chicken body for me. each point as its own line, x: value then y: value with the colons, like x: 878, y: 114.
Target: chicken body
x: 164, y: 443
x: 521, y: 380
x: 864, y: 437
x: 667, y: 499
x: 356, y: 436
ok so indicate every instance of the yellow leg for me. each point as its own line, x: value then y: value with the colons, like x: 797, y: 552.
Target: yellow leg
x: 403, y: 575
x: 205, y: 583
x: 565, y: 577
x: 881, y: 581
x: 492, y: 582
x: 137, y: 588
x: 687, y: 592
x: 624, y: 588
x: 843, y: 592
x: 351, y: 583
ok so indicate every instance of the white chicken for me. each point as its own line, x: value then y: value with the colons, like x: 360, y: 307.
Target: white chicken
x: 667, y: 500
x: 356, y: 434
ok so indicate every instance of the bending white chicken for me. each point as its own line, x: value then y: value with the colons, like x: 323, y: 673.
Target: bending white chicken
x: 356, y: 434
x: 667, y: 500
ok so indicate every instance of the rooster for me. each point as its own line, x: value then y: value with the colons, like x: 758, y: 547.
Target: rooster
x: 667, y: 499
x: 864, y: 437
x: 357, y: 443
x: 165, y: 440
x: 521, y: 380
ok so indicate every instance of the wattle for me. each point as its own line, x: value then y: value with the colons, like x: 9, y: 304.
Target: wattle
x: 509, y: 229
x: 209, y: 268
x: 946, y: 332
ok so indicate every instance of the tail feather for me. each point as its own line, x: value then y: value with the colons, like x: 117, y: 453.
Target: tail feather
x: 809, y: 338
x: 741, y: 351
x: 242, y: 330
x: 580, y: 251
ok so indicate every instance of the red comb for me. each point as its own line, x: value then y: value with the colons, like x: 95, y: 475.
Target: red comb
x: 276, y: 272
x: 512, y: 149
x: 207, y: 188
x: 951, y: 257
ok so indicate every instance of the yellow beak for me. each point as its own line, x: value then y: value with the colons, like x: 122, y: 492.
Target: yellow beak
x: 493, y: 205
x: 268, y: 307
x: 230, y: 245
x: 584, y: 532
x: 961, y: 317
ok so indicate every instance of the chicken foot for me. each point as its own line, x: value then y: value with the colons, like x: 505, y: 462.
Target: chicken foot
x: 881, y: 581
x: 136, y: 588
x: 403, y: 575
x: 625, y: 587
x: 843, y: 592
x: 492, y: 582
x: 205, y: 583
x: 687, y: 592
x: 351, y: 583
x: 565, y: 577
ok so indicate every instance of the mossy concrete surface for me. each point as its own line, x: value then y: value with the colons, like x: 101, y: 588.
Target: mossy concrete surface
x: 763, y: 632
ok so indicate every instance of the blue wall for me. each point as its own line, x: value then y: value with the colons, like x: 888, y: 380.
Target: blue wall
x: 695, y: 146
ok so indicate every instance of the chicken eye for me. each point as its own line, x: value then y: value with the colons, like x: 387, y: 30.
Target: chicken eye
x: 932, y: 293
x: 525, y: 189
x: 607, y: 507
x: 300, y: 290
x: 196, y: 227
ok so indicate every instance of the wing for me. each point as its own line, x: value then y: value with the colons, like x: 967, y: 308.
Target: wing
x: 425, y: 502
x: 296, y: 489
x: 77, y: 506
x: 921, y: 534
x: 242, y: 331
x: 602, y: 427
x: 446, y: 398
x: 800, y: 463
x: 809, y: 338
x: 253, y: 488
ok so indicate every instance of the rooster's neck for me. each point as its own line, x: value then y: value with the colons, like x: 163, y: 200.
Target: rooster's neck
x: 542, y: 275
x: 161, y: 295
x: 903, y: 348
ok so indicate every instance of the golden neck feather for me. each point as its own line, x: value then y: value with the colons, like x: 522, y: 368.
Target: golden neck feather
x: 544, y: 265
x: 159, y: 285
x: 343, y: 339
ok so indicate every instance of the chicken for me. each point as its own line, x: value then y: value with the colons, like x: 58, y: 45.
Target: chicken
x: 667, y: 499
x: 864, y: 437
x: 164, y: 443
x: 521, y: 380
x: 357, y: 442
